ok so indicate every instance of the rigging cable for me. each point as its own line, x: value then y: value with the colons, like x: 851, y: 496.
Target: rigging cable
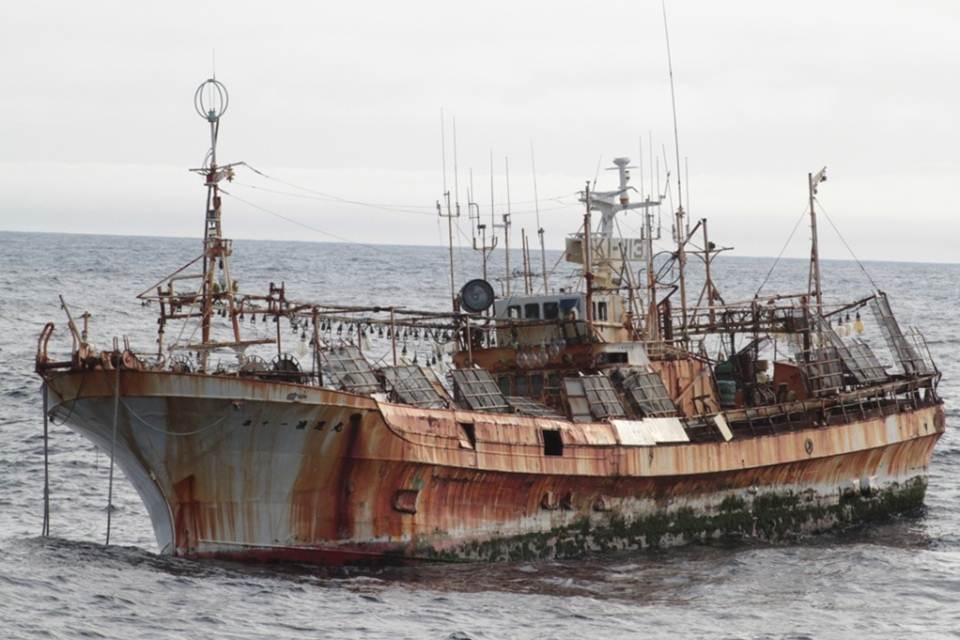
x: 293, y: 221
x: 410, y: 208
x: 398, y: 208
x: 843, y: 240
x: 803, y: 215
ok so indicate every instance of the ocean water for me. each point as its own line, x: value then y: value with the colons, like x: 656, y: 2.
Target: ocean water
x: 893, y: 580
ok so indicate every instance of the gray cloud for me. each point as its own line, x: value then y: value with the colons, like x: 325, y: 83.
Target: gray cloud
x: 98, y: 129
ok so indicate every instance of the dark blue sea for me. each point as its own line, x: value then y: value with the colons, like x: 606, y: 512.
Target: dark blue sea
x: 899, y: 579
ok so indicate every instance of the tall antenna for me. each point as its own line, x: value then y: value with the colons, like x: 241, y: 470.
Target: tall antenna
x: 659, y: 218
x: 525, y: 253
x: 640, y: 155
x: 506, y: 222
x: 681, y: 234
x: 456, y: 171
x: 657, y: 194
x: 650, y: 150
x: 536, y: 204
x: 443, y: 150
x: 493, y: 213
x: 673, y: 103
x: 450, y: 214
x: 473, y: 212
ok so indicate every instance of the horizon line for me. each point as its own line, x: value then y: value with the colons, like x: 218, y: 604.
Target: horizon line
x: 437, y: 246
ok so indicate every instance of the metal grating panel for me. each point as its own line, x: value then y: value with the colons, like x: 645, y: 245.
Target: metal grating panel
x: 867, y: 365
x: 478, y: 390
x: 351, y: 370
x: 411, y: 386
x: 824, y: 370
x: 601, y: 396
x: 648, y: 393
x: 921, y: 347
x: 908, y: 357
x: 856, y: 356
x: 577, y: 399
x: 529, y: 407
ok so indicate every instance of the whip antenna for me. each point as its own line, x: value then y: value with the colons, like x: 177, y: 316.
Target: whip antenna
x: 673, y: 103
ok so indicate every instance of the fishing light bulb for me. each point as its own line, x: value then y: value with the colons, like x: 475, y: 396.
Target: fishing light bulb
x: 858, y: 324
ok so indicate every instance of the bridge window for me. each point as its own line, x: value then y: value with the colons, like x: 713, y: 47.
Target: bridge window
x: 531, y: 311
x: 553, y: 383
x: 600, y: 311
x: 613, y: 357
x: 504, y: 383
x: 536, y: 385
x: 520, y: 385
x: 513, y: 311
x: 551, y: 310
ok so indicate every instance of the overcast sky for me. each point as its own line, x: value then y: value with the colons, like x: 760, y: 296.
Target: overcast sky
x: 97, y: 126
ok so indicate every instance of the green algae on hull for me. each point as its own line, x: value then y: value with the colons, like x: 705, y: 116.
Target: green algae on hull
x: 769, y: 517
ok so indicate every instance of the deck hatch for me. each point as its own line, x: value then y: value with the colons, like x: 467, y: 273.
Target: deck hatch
x: 411, y: 386
x: 478, y: 390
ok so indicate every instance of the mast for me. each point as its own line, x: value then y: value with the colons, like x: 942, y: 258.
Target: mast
x: 211, y: 100
x: 707, y: 250
x: 813, y: 281
x: 682, y: 261
x: 587, y: 267
x: 653, y: 320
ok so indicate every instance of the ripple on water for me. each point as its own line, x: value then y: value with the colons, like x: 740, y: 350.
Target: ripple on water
x: 893, y: 580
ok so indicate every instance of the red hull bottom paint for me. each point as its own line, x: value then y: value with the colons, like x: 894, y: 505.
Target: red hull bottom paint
x: 249, y: 470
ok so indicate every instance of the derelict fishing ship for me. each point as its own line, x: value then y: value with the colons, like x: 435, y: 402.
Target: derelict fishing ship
x: 613, y: 415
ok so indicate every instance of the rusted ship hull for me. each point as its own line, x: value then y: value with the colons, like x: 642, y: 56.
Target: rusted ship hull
x: 238, y: 468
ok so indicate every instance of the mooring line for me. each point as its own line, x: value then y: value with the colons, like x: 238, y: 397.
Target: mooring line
x: 46, y: 467
x: 113, y: 446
